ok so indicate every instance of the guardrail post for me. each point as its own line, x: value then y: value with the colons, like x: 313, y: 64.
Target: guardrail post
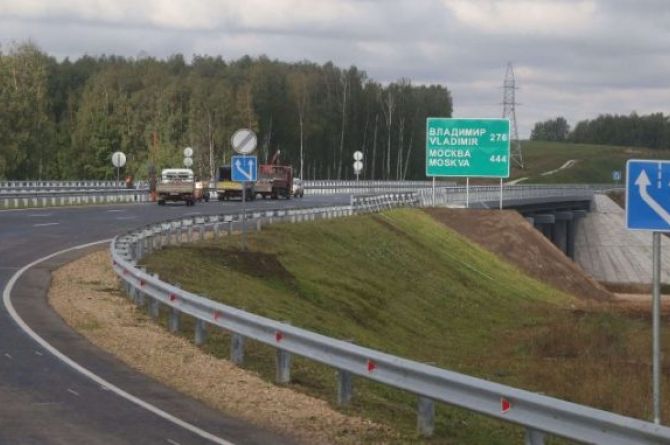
x: 344, y: 387
x: 173, y: 322
x: 425, y: 421
x: 283, y: 374
x: 230, y: 227
x: 200, y: 333
x: 154, y: 308
x: 237, y: 349
x: 189, y: 234
x: 534, y: 437
x: 202, y: 232
x: 258, y: 225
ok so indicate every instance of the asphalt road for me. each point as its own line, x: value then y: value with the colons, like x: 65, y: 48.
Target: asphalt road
x: 45, y: 401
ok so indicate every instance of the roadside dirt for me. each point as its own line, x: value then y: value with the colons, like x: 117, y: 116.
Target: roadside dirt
x: 94, y: 307
x: 507, y: 234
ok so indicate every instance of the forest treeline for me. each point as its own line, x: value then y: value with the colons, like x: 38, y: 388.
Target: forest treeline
x: 64, y: 119
x: 651, y: 131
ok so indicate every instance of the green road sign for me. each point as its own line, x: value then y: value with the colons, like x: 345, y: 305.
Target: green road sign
x: 467, y: 147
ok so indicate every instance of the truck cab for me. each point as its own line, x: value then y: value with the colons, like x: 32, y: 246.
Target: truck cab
x: 176, y: 184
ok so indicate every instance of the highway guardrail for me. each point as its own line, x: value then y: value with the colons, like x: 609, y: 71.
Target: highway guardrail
x: 540, y: 415
x: 70, y: 198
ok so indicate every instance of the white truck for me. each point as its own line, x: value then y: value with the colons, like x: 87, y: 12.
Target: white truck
x: 176, y: 184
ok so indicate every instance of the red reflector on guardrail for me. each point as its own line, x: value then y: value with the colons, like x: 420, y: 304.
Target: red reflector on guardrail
x: 505, y: 405
x: 173, y: 297
x: 279, y: 336
x: 371, y: 366
x: 217, y: 315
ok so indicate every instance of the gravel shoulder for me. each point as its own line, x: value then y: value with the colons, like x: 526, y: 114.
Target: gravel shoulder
x: 86, y: 295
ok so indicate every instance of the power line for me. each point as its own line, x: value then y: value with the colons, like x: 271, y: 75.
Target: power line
x: 509, y: 112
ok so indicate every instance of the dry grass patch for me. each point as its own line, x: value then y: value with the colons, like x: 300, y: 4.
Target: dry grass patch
x: 85, y: 293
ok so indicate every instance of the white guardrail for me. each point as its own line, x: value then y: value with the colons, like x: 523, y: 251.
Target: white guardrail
x: 540, y: 415
x: 70, y: 197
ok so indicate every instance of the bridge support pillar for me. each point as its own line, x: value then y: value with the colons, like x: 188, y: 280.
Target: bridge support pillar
x: 572, y: 232
x: 560, y: 229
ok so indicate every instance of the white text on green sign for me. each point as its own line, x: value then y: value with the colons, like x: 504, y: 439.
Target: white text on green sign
x: 467, y: 147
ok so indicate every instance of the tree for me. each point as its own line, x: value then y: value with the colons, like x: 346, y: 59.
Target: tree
x: 554, y: 130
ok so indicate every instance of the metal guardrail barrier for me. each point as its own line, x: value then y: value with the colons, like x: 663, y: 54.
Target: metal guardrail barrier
x: 69, y: 198
x: 21, y: 194
x: 539, y: 415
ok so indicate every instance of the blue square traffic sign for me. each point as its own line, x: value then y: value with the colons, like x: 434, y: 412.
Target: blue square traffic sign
x: 648, y: 195
x: 244, y: 168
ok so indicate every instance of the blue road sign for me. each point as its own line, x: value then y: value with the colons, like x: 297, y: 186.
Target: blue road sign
x: 244, y: 168
x: 648, y: 195
x: 616, y: 175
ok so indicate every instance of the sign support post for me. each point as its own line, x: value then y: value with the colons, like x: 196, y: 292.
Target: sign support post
x: 501, y: 193
x: 656, y: 325
x: 244, y: 215
x: 244, y: 169
x: 648, y: 208
x: 467, y: 193
x: 433, y: 191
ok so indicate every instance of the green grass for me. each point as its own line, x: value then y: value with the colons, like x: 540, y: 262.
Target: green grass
x: 402, y: 283
x: 595, y: 163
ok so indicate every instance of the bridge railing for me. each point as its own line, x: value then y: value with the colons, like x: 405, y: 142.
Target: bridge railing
x: 540, y: 415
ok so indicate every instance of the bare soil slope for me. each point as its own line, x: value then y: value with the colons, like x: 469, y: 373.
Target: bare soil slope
x: 508, y: 235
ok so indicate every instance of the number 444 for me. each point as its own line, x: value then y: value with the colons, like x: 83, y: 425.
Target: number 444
x: 498, y: 158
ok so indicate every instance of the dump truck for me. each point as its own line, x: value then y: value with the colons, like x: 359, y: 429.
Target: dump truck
x: 275, y: 180
x: 226, y: 188
x: 176, y: 184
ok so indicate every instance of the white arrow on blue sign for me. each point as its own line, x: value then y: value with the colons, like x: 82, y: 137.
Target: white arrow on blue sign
x: 244, y: 168
x: 648, y: 195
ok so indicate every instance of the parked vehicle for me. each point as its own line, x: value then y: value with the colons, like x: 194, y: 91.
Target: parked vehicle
x: 226, y: 188
x: 176, y: 184
x: 297, y: 189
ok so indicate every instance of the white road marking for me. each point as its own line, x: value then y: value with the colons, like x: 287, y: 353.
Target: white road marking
x: 39, y: 215
x: 9, y: 356
x: 46, y: 224
x: 121, y: 218
x: 7, y: 301
x: 38, y: 353
x: 116, y: 210
x: 73, y: 392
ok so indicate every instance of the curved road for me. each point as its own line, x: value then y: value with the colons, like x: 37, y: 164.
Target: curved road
x: 45, y: 401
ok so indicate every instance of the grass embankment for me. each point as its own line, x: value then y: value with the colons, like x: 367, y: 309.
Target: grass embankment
x: 595, y: 163
x: 403, y: 283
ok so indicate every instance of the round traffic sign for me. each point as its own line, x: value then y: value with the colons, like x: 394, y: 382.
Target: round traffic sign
x: 358, y: 155
x: 243, y: 141
x: 118, y: 159
x: 188, y: 152
x: 188, y: 162
x: 358, y: 166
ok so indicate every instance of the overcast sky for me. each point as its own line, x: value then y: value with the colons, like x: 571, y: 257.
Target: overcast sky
x: 571, y: 58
